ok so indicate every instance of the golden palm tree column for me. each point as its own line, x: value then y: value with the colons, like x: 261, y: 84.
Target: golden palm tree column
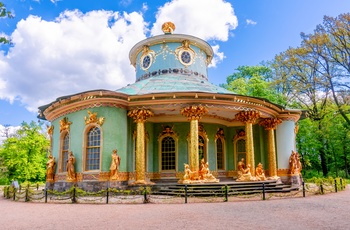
x: 193, y: 114
x: 249, y: 118
x: 270, y: 125
x: 140, y: 116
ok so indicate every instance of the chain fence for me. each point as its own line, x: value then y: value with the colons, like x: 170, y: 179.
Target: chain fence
x: 142, y: 195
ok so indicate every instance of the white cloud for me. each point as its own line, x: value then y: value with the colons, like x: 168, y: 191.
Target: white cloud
x: 144, y: 7
x: 78, y: 52
x: 218, y: 57
x: 209, y: 20
x: 74, y: 53
x: 7, y: 131
x: 250, y: 22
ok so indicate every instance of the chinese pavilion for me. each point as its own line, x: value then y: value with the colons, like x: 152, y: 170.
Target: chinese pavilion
x: 171, y: 116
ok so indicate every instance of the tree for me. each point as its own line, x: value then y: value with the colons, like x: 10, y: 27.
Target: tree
x: 254, y: 81
x: 4, y: 13
x: 24, y: 154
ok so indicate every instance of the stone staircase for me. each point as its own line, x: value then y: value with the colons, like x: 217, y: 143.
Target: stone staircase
x: 218, y: 189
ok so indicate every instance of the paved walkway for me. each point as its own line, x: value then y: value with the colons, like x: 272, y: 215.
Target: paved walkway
x: 330, y: 211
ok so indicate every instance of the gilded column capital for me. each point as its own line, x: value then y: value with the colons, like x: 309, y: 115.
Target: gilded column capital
x: 248, y: 116
x: 270, y: 123
x: 140, y: 115
x: 194, y: 112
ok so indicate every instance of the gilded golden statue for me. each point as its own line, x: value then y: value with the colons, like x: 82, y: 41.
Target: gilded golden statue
x: 246, y: 175
x: 207, y: 176
x: 240, y: 168
x: 294, y: 163
x: 114, y: 165
x: 259, y: 172
x: 71, y: 177
x: 188, y: 174
x: 50, y: 168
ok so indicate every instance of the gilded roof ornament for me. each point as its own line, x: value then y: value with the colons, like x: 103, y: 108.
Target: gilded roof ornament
x: 168, y: 27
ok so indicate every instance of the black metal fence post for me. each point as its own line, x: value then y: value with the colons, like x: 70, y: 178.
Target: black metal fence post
x: 341, y: 183
x: 335, y: 185
x: 303, y: 189
x: 145, y: 199
x: 14, y: 193
x: 321, y: 188
x: 263, y: 191
x: 73, y: 198
x: 226, y: 193
x: 107, y: 196
x: 27, y: 194
x: 45, y: 195
x: 185, y: 193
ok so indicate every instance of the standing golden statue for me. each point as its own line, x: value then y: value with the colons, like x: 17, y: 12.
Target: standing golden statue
x: 114, y: 165
x: 294, y: 163
x: 50, y: 168
x: 71, y: 177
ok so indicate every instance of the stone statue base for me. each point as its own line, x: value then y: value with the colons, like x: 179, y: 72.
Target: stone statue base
x: 198, y: 181
x: 141, y: 182
x: 296, y: 181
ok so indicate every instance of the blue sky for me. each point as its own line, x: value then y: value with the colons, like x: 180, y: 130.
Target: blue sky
x: 69, y: 46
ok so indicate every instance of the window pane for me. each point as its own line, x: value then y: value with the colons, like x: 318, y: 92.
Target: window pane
x: 93, y: 149
x: 219, y: 154
x: 65, y: 150
x: 168, y: 153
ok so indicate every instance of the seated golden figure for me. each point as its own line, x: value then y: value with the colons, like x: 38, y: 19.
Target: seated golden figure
x: 240, y: 168
x: 208, y: 177
x: 259, y: 172
x: 246, y: 175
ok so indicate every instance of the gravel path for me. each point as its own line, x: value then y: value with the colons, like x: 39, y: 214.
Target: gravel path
x: 330, y: 211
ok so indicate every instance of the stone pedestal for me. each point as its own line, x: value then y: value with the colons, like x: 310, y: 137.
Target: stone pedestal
x: 296, y: 181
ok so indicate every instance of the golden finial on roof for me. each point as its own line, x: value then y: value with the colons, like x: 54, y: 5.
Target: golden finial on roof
x: 168, y: 27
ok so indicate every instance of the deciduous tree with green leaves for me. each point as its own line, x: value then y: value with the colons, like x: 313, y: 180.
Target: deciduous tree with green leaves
x: 4, y: 13
x: 255, y: 81
x: 24, y: 154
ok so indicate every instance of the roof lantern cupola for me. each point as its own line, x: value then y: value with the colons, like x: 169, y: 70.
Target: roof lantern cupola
x: 171, y: 55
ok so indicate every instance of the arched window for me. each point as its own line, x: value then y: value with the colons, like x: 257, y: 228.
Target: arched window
x: 64, y: 151
x: 93, y: 149
x: 240, y: 150
x: 201, y: 149
x: 168, y: 153
x: 219, y: 154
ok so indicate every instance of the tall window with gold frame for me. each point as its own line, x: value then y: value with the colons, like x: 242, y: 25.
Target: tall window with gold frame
x: 64, y: 151
x: 219, y: 154
x: 168, y: 153
x: 93, y: 149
